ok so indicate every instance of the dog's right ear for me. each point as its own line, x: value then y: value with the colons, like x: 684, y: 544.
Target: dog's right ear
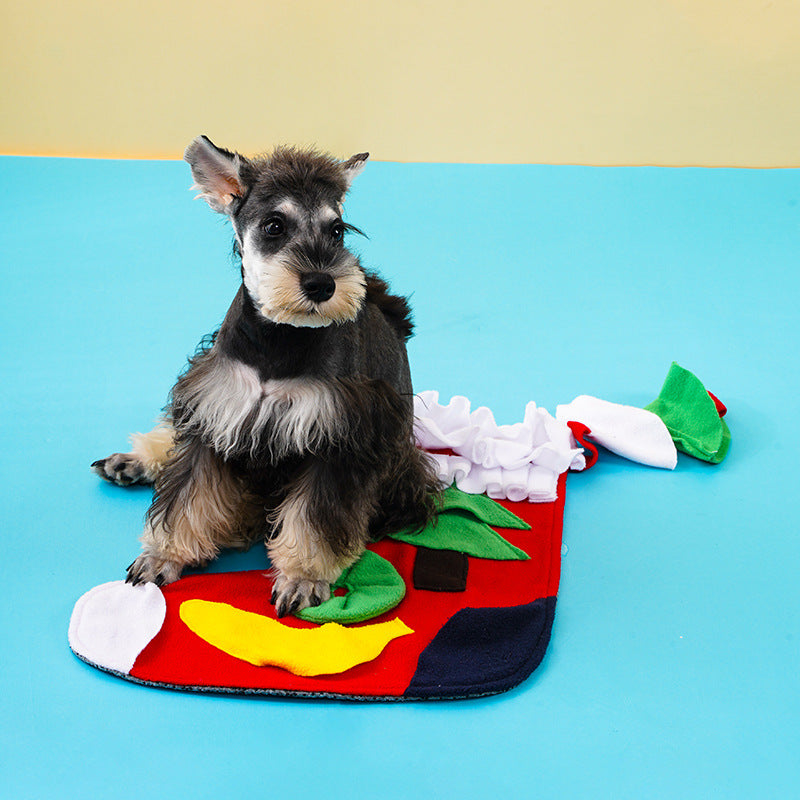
x: 354, y: 166
x: 216, y: 173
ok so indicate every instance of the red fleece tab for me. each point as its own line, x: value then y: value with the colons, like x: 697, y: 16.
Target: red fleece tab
x: 719, y: 405
x: 580, y: 432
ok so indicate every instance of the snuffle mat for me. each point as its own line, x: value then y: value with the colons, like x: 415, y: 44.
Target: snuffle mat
x: 462, y: 609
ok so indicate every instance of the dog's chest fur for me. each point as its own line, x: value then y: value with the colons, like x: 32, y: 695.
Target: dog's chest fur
x: 238, y: 414
x: 265, y: 392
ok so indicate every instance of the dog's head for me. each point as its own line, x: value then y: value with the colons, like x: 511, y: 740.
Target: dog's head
x: 286, y: 211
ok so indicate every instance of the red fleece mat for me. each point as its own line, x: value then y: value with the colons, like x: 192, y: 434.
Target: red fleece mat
x: 481, y: 640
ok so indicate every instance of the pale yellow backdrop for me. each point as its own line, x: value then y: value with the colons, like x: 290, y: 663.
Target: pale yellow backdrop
x: 670, y: 82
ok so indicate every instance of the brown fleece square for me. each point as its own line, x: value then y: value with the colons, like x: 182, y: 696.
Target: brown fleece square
x: 440, y: 570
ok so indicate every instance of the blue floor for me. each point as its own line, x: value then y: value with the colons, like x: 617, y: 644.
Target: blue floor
x: 673, y: 667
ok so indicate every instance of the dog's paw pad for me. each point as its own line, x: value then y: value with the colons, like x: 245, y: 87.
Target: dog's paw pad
x: 290, y: 596
x: 124, y: 469
x: 152, y: 569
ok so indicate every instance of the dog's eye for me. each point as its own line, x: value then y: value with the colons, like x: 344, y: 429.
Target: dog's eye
x: 337, y: 231
x: 274, y: 227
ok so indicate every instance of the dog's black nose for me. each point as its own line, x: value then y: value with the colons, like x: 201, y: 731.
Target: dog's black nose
x: 318, y: 286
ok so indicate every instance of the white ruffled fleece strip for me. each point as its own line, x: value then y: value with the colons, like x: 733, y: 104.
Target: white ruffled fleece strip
x: 523, y: 461
x: 515, y: 462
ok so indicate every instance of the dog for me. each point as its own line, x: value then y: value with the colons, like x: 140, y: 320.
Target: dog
x: 293, y: 423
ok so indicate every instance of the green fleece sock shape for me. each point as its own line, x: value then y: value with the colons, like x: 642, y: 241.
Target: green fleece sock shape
x: 691, y: 417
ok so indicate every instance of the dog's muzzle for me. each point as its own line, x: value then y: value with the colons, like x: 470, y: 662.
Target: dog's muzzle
x: 318, y: 286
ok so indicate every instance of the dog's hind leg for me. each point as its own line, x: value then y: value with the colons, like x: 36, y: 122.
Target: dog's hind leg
x: 144, y: 462
x: 410, y: 493
x: 200, y: 507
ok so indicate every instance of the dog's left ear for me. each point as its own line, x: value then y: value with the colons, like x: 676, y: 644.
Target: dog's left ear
x: 216, y: 173
x: 354, y: 166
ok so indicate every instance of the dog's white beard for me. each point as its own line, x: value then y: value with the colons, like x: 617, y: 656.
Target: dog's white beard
x: 275, y: 289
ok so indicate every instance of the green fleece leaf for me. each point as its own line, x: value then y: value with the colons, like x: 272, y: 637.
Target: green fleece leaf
x: 373, y: 587
x: 482, y: 507
x: 459, y: 530
x: 691, y: 417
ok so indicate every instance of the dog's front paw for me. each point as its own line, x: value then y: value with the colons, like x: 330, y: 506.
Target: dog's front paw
x: 290, y: 596
x: 152, y: 569
x: 124, y: 469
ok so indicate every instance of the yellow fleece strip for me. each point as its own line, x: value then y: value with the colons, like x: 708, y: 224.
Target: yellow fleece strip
x: 326, y: 650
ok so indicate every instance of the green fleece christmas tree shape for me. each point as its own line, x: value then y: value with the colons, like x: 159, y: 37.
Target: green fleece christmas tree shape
x: 460, y: 530
x: 373, y: 587
x: 483, y: 508
x: 691, y: 417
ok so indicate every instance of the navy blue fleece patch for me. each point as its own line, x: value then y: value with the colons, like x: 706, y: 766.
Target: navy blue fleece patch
x: 484, y: 650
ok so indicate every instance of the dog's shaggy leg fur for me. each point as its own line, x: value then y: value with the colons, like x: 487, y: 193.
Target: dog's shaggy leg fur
x: 322, y: 528
x: 329, y: 514
x: 200, y: 507
x: 144, y: 462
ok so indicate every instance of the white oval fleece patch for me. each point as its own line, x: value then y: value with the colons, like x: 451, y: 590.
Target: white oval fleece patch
x: 112, y: 623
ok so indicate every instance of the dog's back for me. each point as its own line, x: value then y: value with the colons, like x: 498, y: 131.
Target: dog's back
x: 386, y: 326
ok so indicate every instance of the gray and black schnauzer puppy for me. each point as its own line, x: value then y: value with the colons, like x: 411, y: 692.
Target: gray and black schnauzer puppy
x: 294, y: 423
